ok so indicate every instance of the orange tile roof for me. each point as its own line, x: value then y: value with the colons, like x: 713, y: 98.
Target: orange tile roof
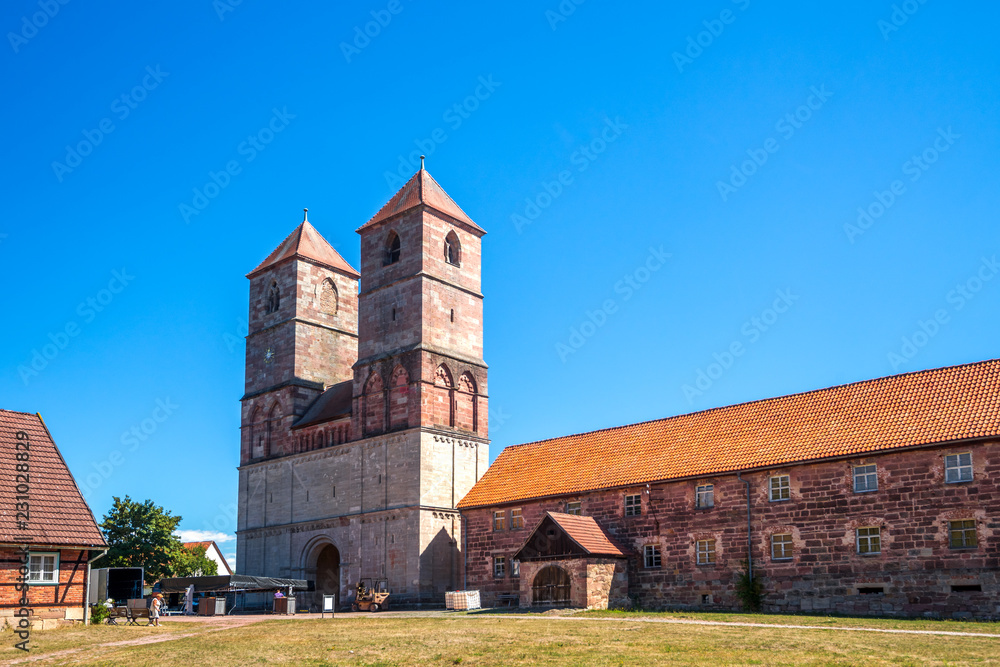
x: 57, y: 513
x: 309, y: 244
x: 587, y: 533
x: 941, y: 405
x: 421, y: 189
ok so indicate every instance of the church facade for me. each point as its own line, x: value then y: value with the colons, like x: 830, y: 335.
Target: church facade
x: 364, y: 417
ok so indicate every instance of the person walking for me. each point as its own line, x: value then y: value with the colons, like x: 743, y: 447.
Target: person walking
x: 154, y: 609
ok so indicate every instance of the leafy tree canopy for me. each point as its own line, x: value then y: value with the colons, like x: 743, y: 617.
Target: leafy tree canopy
x: 142, y: 535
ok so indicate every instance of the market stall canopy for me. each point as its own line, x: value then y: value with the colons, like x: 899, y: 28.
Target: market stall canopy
x: 232, y: 582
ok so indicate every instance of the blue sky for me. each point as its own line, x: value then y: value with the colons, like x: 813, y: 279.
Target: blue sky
x: 814, y: 188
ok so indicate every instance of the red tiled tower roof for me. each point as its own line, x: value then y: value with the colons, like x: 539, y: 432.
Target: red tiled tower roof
x: 307, y: 243
x: 922, y: 408
x: 58, y: 515
x: 421, y: 189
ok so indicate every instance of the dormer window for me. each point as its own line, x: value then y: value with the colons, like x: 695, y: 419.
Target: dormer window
x: 392, y: 249
x: 452, y: 249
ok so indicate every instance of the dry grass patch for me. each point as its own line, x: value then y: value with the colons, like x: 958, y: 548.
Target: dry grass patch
x: 519, y: 640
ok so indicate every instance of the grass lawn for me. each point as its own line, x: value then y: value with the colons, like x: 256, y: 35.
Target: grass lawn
x: 796, y: 619
x: 516, y: 640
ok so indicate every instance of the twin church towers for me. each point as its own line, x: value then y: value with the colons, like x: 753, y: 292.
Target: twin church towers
x: 364, y: 417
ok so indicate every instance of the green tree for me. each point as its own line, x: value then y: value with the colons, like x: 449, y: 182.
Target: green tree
x: 194, y: 563
x: 141, y: 535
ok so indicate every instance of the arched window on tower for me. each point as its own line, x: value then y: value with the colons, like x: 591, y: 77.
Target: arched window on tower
x: 374, y: 412
x: 271, y: 439
x: 257, y: 434
x: 392, y: 249
x: 452, y: 249
x: 444, y: 397
x: 273, y: 297
x: 328, y: 297
x: 466, y: 407
x: 399, y: 395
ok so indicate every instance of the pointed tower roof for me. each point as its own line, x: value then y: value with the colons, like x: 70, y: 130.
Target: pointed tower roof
x: 307, y: 243
x: 421, y: 189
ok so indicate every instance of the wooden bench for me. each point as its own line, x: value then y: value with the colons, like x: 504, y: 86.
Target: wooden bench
x: 118, y: 614
x: 509, y: 598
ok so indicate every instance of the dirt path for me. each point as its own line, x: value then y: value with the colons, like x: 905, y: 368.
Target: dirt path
x: 227, y: 623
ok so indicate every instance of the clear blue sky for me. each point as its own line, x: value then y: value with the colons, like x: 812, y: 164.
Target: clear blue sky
x: 647, y: 125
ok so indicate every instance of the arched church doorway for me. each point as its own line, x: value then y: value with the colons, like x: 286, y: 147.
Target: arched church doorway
x: 550, y: 586
x: 328, y: 572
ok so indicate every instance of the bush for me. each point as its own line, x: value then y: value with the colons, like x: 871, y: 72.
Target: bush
x: 750, y: 593
x: 98, y: 614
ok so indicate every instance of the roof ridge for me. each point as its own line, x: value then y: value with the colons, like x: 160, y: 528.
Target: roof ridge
x: 755, y: 401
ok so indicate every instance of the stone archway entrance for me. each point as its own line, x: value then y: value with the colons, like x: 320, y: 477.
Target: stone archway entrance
x: 551, y: 586
x: 328, y: 572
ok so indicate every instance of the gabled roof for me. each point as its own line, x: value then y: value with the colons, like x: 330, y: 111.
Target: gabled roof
x: 334, y: 403
x: 583, y: 531
x: 927, y: 407
x: 307, y: 243
x: 58, y: 515
x: 421, y: 189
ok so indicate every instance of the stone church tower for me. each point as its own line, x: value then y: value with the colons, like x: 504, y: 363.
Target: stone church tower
x: 365, y: 414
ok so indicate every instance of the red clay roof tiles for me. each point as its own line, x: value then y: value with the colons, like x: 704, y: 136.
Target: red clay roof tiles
x: 586, y: 532
x: 57, y: 513
x: 421, y: 189
x: 934, y: 406
x: 309, y: 244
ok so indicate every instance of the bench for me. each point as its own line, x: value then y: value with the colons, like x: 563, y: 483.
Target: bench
x: 509, y: 598
x: 118, y: 614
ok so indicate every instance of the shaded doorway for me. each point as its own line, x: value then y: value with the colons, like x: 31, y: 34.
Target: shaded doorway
x: 550, y: 586
x: 328, y: 572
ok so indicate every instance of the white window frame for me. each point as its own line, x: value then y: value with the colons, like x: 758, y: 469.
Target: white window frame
x: 499, y: 520
x: 635, y: 508
x: 863, y: 473
x: 499, y: 567
x: 515, y: 569
x: 787, y: 546
x: 574, y: 507
x: 953, y: 463
x: 704, y: 496
x: 652, y: 559
x: 41, y: 555
x: 867, y: 539
x: 516, y: 517
x: 702, y: 555
x: 784, y: 485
